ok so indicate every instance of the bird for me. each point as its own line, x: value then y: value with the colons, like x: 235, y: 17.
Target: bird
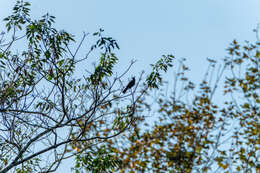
x: 129, y: 85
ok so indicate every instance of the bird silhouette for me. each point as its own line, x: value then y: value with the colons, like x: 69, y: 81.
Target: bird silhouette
x: 129, y: 85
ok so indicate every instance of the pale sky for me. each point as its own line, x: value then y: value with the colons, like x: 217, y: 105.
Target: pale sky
x: 147, y: 29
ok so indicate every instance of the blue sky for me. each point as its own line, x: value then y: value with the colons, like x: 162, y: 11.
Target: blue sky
x: 146, y: 29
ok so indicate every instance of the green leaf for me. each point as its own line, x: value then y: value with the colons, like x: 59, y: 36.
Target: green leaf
x: 61, y: 62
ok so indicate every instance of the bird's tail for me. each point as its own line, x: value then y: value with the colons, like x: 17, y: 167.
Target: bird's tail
x: 125, y: 90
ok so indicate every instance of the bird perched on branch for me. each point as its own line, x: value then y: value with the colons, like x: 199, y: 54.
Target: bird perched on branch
x: 129, y: 85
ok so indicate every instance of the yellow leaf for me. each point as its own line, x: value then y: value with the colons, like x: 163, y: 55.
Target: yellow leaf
x: 226, y: 166
x: 238, y: 168
x: 170, y: 164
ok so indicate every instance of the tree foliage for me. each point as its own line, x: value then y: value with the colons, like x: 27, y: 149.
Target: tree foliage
x: 196, y: 131
x: 49, y: 108
x: 54, y: 106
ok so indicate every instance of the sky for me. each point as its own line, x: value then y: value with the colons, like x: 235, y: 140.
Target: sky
x: 145, y: 30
